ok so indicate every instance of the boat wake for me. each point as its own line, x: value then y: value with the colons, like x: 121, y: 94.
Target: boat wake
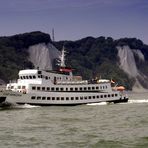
x: 101, y: 103
x: 138, y: 101
x: 26, y: 106
x: 129, y: 102
x: 14, y: 106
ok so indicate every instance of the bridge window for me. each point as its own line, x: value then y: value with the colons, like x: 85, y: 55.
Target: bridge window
x: 43, y: 88
x: 43, y: 98
x: 48, y: 98
x: 38, y: 88
x: 38, y: 98
x: 33, y: 97
x: 34, y: 77
x: 33, y: 88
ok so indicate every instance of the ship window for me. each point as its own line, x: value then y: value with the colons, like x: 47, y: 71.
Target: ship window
x: 71, y: 89
x: 76, y: 89
x: 33, y: 97
x: 53, y: 98
x: 66, y: 89
x: 97, y: 96
x: 89, y: 88
x: 62, y: 98
x: 23, y: 87
x: 39, y: 72
x: 61, y: 89
x: 34, y: 77
x: 106, y: 86
x: 43, y: 88
x: 24, y: 77
x: 48, y: 98
x: 67, y: 98
x: 19, y: 87
x: 81, y: 98
x: 89, y: 97
x: 80, y: 88
x: 101, y: 96
x: 112, y: 95
x: 58, y: 98
x: 93, y: 88
x: 85, y: 98
x: 48, y: 88
x: 100, y: 87
x: 57, y: 89
x: 108, y: 95
x: 93, y: 97
x: 77, y: 98
x: 33, y: 88
x: 116, y: 95
x: 38, y: 98
x: 85, y: 88
x: 27, y: 77
x: 43, y: 98
x: 72, y: 98
x: 12, y: 87
x: 52, y: 88
x: 38, y: 88
x: 46, y: 77
x: 105, y: 96
x: 30, y: 77
x: 97, y: 87
x: 41, y: 76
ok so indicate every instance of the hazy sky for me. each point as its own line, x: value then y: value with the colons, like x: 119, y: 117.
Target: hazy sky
x: 75, y: 19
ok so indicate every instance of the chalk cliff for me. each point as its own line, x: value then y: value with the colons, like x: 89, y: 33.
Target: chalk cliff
x: 42, y: 55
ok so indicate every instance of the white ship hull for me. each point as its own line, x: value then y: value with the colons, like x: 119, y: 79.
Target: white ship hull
x: 64, y: 98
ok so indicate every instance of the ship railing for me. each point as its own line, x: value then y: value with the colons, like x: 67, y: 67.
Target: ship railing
x: 72, y: 82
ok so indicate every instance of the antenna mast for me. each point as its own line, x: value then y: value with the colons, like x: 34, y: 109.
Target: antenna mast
x: 53, y: 38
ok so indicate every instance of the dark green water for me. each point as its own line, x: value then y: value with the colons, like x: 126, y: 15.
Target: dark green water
x: 85, y: 126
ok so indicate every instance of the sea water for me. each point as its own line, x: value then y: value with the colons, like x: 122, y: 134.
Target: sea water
x: 98, y: 125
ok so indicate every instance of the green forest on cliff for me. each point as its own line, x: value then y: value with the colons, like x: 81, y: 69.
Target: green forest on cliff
x: 90, y: 57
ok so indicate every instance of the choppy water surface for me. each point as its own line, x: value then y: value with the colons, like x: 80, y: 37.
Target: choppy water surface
x: 85, y: 126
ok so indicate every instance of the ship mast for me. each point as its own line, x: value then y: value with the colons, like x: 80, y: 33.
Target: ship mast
x: 62, y: 58
x: 63, y: 67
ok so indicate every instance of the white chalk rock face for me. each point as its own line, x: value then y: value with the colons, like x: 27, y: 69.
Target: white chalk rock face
x: 128, y: 65
x: 42, y: 55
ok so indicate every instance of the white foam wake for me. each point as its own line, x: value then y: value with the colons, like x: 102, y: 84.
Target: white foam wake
x: 138, y: 101
x: 26, y: 106
x: 101, y: 103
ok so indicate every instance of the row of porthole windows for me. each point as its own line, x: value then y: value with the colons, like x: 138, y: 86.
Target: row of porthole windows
x: 73, y: 98
x: 34, y: 77
x: 68, y: 89
x: 39, y: 76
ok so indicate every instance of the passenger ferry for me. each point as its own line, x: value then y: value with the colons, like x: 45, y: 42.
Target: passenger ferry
x: 42, y: 87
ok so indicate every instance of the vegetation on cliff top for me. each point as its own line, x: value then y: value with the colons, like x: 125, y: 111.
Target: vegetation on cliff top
x: 91, y: 57
x: 13, y: 53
